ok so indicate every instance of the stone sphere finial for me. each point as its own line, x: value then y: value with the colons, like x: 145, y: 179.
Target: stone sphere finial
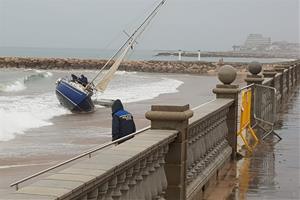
x: 254, y: 68
x: 227, y: 74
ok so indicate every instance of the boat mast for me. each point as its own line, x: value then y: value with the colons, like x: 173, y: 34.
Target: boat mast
x: 131, y: 39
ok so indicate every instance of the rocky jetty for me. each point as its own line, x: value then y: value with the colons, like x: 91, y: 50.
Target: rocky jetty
x: 236, y: 54
x: 187, y: 67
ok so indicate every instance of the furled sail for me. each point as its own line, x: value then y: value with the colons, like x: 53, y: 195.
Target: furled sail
x: 102, y: 85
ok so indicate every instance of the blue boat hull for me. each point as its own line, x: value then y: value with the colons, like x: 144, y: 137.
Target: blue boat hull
x: 72, y: 98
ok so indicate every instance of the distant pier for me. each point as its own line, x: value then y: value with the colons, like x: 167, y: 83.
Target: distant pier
x: 234, y: 54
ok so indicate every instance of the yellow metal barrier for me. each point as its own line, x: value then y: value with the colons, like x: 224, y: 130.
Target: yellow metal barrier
x: 245, y: 124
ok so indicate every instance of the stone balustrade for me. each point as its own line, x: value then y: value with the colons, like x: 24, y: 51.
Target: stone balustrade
x: 208, y: 148
x: 284, y: 79
x: 131, y: 170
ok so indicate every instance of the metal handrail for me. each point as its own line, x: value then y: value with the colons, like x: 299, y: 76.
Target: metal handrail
x: 246, y: 87
x: 197, y: 107
x: 266, y: 86
x: 89, y: 153
x: 252, y: 84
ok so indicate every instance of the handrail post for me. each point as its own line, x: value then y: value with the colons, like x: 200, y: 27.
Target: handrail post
x: 297, y: 73
x: 288, y: 79
x: 270, y: 73
x: 173, y: 118
x: 227, y: 75
x: 254, y: 78
x: 280, y: 70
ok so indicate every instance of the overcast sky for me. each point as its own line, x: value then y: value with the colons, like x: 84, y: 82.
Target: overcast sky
x: 181, y: 24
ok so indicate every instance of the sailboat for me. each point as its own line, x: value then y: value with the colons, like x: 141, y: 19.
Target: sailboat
x: 76, y: 93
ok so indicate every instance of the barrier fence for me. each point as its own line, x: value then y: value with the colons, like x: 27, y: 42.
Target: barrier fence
x: 264, y: 109
x: 245, y: 117
x: 264, y: 106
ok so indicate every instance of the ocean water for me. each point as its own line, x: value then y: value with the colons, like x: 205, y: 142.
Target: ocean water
x: 28, y: 100
x: 137, y: 54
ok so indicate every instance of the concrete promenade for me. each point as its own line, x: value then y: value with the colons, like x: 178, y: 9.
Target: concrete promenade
x: 183, y: 155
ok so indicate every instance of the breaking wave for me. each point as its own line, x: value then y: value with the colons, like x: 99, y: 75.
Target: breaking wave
x: 13, y: 87
x: 20, y: 113
x: 37, y: 76
x: 20, y: 84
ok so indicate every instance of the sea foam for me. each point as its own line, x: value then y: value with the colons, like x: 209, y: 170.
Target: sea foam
x: 20, y: 113
x: 142, y: 91
x: 13, y: 87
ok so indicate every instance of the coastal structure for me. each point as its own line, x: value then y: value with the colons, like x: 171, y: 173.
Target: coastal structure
x: 182, y: 155
x: 264, y: 45
x: 187, y: 67
x: 179, y: 55
x: 256, y: 42
x: 199, y: 55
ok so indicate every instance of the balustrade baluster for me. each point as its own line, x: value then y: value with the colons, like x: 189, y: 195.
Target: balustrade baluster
x: 84, y: 197
x: 117, y: 191
x: 132, y: 183
x: 190, y: 158
x: 93, y: 195
x: 111, y: 186
x: 145, y: 184
x: 102, y: 190
x: 161, y: 171
x: 156, y: 176
x: 125, y: 188
x: 139, y: 179
x: 152, y: 173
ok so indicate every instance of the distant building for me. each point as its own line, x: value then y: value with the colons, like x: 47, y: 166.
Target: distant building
x: 256, y: 42
x: 284, y: 45
x: 236, y: 47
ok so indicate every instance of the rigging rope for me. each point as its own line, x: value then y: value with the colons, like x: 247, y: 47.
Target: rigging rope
x: 129, y: 40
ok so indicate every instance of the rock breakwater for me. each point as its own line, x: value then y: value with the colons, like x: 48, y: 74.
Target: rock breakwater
x: 186, y: 67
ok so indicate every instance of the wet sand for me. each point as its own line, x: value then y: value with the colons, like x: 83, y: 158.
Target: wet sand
x: 73, y: 134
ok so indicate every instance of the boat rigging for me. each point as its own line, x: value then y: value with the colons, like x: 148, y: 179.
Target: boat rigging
x: 75, y: 94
